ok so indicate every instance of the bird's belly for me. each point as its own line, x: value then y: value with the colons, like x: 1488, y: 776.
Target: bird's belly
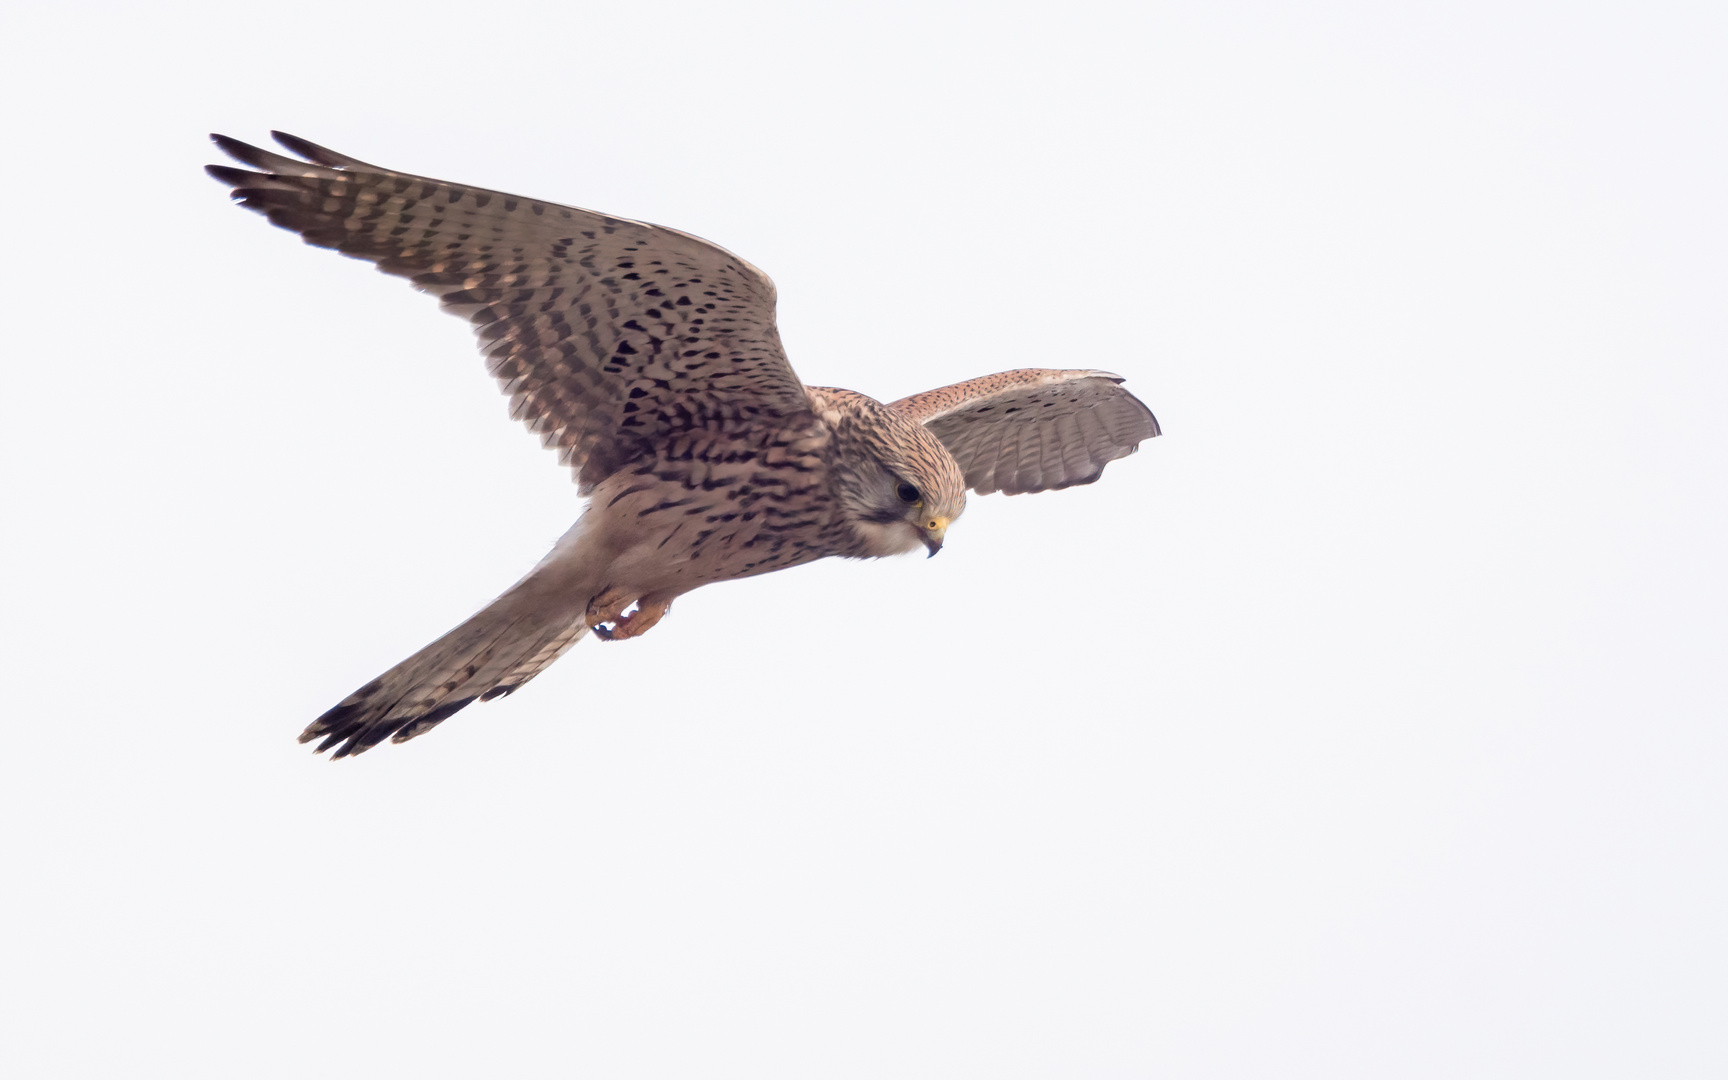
x: 673, y: 529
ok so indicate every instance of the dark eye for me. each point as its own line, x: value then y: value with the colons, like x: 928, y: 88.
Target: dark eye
x: 908, y: 493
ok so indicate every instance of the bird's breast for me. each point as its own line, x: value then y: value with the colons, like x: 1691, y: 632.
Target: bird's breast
x: 712, y: 509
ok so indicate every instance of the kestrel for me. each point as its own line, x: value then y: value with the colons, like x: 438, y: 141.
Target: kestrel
x: 649, y: 358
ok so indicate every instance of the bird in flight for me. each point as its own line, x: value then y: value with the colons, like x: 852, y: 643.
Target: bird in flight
x: 649, y: 359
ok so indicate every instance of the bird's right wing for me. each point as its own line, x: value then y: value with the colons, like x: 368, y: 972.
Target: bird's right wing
x: 611, y: 336
x: 1034, y: 429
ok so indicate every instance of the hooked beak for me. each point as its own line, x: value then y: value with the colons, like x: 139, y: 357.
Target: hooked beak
x: 933, y: 534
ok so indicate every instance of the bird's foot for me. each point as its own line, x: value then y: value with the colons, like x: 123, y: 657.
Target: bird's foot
x: 607, y: 618
x: 608, y: 606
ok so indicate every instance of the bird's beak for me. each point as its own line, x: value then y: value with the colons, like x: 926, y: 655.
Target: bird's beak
x: 933, y: 535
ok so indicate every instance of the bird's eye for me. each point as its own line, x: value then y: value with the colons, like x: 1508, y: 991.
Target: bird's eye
x: 908, y: 493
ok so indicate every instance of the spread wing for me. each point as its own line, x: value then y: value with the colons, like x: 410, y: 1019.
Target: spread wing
x: 1033, y: 429
x: 609, y: 335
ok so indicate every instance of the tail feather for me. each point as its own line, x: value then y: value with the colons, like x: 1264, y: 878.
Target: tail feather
x: 554, y: 647
x: 495, y: 652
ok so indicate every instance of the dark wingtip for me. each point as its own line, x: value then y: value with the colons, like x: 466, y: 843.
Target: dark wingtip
x: 228, y: 174
x: 318, y: 155
x: 239, y: 151
x: 307, y: 149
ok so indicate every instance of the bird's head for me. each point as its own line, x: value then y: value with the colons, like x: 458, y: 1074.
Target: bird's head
x: 930, y: 497
x: 901, y: 487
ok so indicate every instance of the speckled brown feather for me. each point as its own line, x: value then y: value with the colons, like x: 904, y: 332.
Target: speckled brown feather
x: 1034, y: 429
x: 610, y: 335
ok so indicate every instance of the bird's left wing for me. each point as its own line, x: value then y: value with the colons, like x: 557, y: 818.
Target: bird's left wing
x: 1034, y: 429
x: 612, y: 337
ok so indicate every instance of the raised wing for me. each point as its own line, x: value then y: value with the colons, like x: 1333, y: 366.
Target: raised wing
x: 609, y: 335
x: 1033, y: 429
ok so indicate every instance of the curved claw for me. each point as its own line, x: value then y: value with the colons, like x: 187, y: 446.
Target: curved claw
x: 607, y: 619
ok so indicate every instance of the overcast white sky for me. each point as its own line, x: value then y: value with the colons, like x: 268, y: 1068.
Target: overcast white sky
x: 1368, y: 724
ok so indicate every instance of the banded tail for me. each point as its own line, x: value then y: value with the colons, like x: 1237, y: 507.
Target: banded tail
x: 492, y: 654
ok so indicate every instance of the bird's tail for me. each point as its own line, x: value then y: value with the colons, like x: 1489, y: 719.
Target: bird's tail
x: 508, y: 642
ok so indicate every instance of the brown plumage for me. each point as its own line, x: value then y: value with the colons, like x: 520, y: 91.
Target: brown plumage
x: 1036, y: 429
x: 649, y: 358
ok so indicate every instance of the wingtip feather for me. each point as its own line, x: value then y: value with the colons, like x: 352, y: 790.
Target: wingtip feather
x: 241, y: 151
x: 229, y: 175
x: 318, y: 155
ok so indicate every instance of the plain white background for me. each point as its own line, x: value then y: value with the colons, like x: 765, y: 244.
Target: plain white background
x: 1368, y: 724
